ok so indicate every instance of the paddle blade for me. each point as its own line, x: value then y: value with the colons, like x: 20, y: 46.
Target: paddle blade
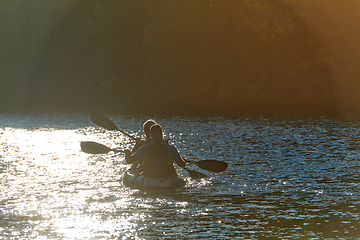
x: 94, y: 148
x: 195, y: 174
x: 212, y: 165
x: 102, y: 121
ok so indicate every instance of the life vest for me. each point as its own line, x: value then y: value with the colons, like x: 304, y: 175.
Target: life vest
x: 157, y: 162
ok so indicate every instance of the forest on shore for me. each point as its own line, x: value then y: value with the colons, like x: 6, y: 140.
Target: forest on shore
x: 184, y: 57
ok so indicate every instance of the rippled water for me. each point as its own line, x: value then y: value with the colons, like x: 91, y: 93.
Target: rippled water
x: 287, y: 177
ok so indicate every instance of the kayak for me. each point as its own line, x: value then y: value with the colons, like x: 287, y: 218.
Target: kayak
x: 132, y: 178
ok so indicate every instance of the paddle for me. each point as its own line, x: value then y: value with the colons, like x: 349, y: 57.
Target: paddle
x: 98, y: 148
x: 210, y: 165
x: 102, y: 121
x: 195, y: 174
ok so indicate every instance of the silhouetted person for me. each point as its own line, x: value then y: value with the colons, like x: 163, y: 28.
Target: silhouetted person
x: 139, y: 142
x: 157, y: 158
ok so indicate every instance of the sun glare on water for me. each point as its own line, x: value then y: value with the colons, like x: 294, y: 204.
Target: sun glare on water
x: 50, y: 179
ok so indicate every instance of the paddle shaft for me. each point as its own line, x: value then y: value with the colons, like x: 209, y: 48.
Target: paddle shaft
x: 133, y: 138
x: 98, y: 148
x: 209, y: 165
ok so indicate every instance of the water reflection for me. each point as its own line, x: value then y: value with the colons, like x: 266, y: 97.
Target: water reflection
x: 287, y: 178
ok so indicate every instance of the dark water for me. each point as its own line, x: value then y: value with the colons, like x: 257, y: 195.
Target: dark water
x: 295, y: 178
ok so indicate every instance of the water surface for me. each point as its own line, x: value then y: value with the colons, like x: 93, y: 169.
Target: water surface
x: 290, y: 178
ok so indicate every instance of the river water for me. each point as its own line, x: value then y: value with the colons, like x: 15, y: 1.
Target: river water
x: 295, y: 178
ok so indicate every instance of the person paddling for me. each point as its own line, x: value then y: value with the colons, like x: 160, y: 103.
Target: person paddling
x: 139, y: 142
x: 157, y: 158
